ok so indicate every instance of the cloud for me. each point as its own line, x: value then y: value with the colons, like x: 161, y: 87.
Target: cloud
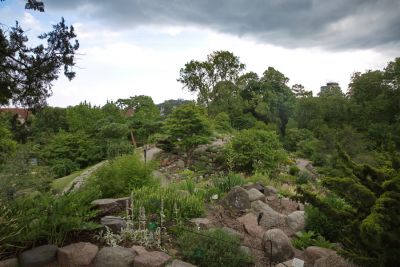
x: 339, y: 24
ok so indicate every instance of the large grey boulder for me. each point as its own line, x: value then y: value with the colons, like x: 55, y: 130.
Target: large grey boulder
x: 179, y: 263
x: 250, y: 224
x: 268, y: 217
x: 114, y: 257
x: 114, y: 223
x: 152, y: 259
x: 254, y: 195
x: 296, y: 221
x: 270, y: 190
x: 282, y: 248
x: 79, y: 254
x: 9, y: 263
x: 39, y: 256
x: 108, y: 206
x: 333, y: 260
x: 237, y: 199
x: 313, y: 253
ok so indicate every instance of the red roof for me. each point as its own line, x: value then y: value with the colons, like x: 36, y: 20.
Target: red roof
x: 21, y: 112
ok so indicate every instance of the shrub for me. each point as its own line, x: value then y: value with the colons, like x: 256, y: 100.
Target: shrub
x: 118, y: 177
x: 63, y: 167
x: 294, y: 170
x: 302, y: 178
x: 213, y: 248
x: 222, y: 122
x: 257, y: 150
x: 307, y: 239
x: 175, y: 203
x: 227, y: 182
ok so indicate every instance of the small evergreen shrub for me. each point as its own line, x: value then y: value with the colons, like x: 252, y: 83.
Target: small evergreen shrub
x: 226, y: 182
x: 294, y: 170
x: 213, y: 248
x: 307, y: 239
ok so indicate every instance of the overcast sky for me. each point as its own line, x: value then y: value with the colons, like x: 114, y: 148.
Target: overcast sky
x: 133, y: 47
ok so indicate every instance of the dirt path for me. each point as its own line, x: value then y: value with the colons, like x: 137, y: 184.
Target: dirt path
x: 80, y: 180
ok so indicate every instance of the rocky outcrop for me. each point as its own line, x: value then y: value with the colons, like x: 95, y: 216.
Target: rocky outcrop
x: 311, y: 254
x: 254, y: 195
x: 296, y: 221
x: 282, y: 248
x: 77, y: 255
x: 250, y: 224
x: 38, y: 257
x: 108, y: 206
x: 267, y: 217
x: 114, y: 257
x: 152, y: 259
x: 114, y: 223
x: 139, y: 250
x: 237, y: 199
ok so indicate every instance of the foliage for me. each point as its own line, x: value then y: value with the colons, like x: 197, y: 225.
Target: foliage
x: 187, y: 127
x: 257, y: 150
x: 294, y: 170
x: 225, y: 183
x: 7, y: 144
x: 370, y: 218
x: 222, y: 122
x: 119, y: 176
x: 27, y: 72
x: 212, y: 248
x: 303, y: 178
x: 175, y: 203
x: 303, y: 240
x: 10, y: 228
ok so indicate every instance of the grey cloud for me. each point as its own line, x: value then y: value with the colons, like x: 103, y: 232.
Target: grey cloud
x: 339, y: 24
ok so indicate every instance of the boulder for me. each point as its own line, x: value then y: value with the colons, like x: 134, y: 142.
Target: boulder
x: 123, y: 201
x: 259, y: 186
x: 270, y: 190
x: 333, y: 260
x: 311, y: 254
x: 107, y: 206
x: 114, y: 257
x: 39, y: 256
x: 9, y: 263
x: 180, y: 164
x: 202, y: 223
x: 288, y: 263
x: 178, y: 263
x: 237, y: 199
x: 250, y: 225
x: 267, y: 217
x: 139, y: 250
x: 114, y: 223
x: 282, y: 248
x: 152, y: 259
x: 254, y: 195
x: 77, y: 255
x: 296, y: 221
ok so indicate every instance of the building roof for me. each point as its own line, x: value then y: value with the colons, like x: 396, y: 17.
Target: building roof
x: 21, y: 112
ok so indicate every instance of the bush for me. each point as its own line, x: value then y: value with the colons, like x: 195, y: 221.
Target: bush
x: 222, y: 122
x: 176, y: 205
x: 227, y: 182
x: 213, y: 248
x: 257, y: 150
x: 302, y: 178
x: 63, y: 167
x: 120, y: 176
x: 307, y: 239
x: 294, y: 170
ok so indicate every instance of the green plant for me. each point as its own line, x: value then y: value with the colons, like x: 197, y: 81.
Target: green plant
x: 302, y: 178
x: 307, y: 239
x: 225, y: 183
x: 118, y: 177
x: 10, y: 229
x: 213, y: 248
x: 189, y: 206
x: 294, y: 170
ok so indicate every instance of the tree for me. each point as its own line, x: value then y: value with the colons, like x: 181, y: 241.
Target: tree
x: 202, y: 76
x: 371, y: 218
x: 187, y: 128
x: 27, y: 73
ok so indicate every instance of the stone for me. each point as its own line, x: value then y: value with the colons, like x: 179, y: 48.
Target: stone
x: 107, y: 206
x: 282, y: 248
x: 296, y: 221
x: 233, y: 232
x: 122, y: 201
x: 259, y: 186
x: 9, y: 263
x: 237, y: 199
x: 311, y: 254
x: 254, y: 195
x: 202, y: 223
x: 270, y: 190
x: 151, y: 259
x: 179, y: 263
x: 114, y: 257
x: 288, y: 263
x: 77, y: 255
x: 114, y: 223
x: 39, y: 256
x: 139, y: 250
x: 250, y: 225
x: 333, y: 260
x: 268, y: 217
x: 180, y: 164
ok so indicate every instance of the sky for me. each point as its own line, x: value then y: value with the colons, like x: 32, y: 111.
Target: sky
x: 137, y: 47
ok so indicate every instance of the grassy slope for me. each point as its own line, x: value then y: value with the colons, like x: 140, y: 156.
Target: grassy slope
x: 60, y: 183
